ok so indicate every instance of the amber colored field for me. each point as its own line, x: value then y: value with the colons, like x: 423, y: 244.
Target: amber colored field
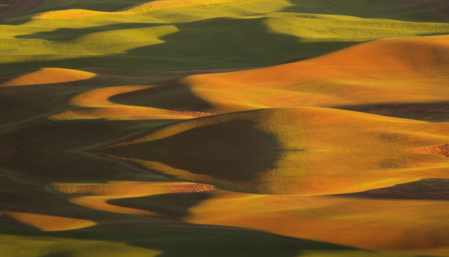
x: 171, y: 128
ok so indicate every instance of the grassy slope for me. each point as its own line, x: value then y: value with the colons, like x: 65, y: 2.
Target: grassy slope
x: 54, y: 115
x: 166, y: 242
x: 389, y: 225
x: 169, y: 38
x: 62, y: 186
x: 288, y: 151
x: 396, y: 71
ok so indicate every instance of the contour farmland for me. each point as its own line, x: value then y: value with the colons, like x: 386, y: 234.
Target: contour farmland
x: 128, y: 127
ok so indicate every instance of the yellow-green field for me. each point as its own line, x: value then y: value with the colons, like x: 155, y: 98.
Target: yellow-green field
x: 174, y: 35
x: 170, y: 128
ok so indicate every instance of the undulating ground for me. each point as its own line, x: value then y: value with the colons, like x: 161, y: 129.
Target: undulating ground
x: 224, y: 128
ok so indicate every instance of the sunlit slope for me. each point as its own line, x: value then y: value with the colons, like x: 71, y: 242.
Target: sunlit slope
x: 291, y: 151
x: 82, y: 103
x: 163, y: 4
x: 401, y: 226
x: 390, y: 71
x: 48, y: 117
x: 210, y: 34
x: 45, y: 76
x: 183, y: 9
x: 414, y: 226
x: 60, y: 93
x: 92, y: 149
x: 97, y: 5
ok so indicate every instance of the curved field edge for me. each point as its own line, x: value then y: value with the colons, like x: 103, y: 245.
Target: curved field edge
x: 158, y: 241
x: 54, y: 115
x: 280, y: 30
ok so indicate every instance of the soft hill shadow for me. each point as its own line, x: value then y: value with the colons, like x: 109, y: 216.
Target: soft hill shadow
x: 383, y: 9
x: 212, y: 43
x: 417, y: 111
x: 33, y: 101
x: 426, y: 189
x: 27, y: 198
x: 234, y: 150
x: 166, y: 95
x: 171, y: 206
x: 240, y: 41
x: 206, y: 44
x: 51, y: 150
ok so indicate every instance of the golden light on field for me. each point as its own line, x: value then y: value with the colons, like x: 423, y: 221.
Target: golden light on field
x: 224, y: 128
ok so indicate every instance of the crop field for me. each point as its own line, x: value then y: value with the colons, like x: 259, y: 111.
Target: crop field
x: 284, y: 128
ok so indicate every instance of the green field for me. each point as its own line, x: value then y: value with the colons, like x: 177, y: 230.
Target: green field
x: 166, y: 242
x: 231, y: 35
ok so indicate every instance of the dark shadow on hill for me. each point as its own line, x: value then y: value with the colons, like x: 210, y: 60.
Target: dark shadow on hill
x: 213, y: 43
x: 233, y: 150
x: 438, y: 111
x: 440, y: 8
x: 51, y: 151
x: 426, y: 189
x: 37, y: 197
x: 190, y: 240
x: 121, y: 61
x: 22, y: 103
x: 206, y: 44
x: 296, y: 59
x: 166, y: 95
x: 170, y: 206
x: 245, y: 41
x: 17, y: 196
x: 381, y: 9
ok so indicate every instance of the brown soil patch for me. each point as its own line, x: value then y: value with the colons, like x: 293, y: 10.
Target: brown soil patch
x: 191, y: 188
x: 8, y: 151
x: 439, y: 7
x: 426, y: 189
x: 185, y: 112
x: 438, y: 150
x: 13, y: 8
x: 435, y: 112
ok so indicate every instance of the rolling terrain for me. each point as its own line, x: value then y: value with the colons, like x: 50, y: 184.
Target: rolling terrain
x: 224, y: 128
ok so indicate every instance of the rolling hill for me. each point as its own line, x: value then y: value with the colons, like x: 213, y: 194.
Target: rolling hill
x: 171, y: 128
